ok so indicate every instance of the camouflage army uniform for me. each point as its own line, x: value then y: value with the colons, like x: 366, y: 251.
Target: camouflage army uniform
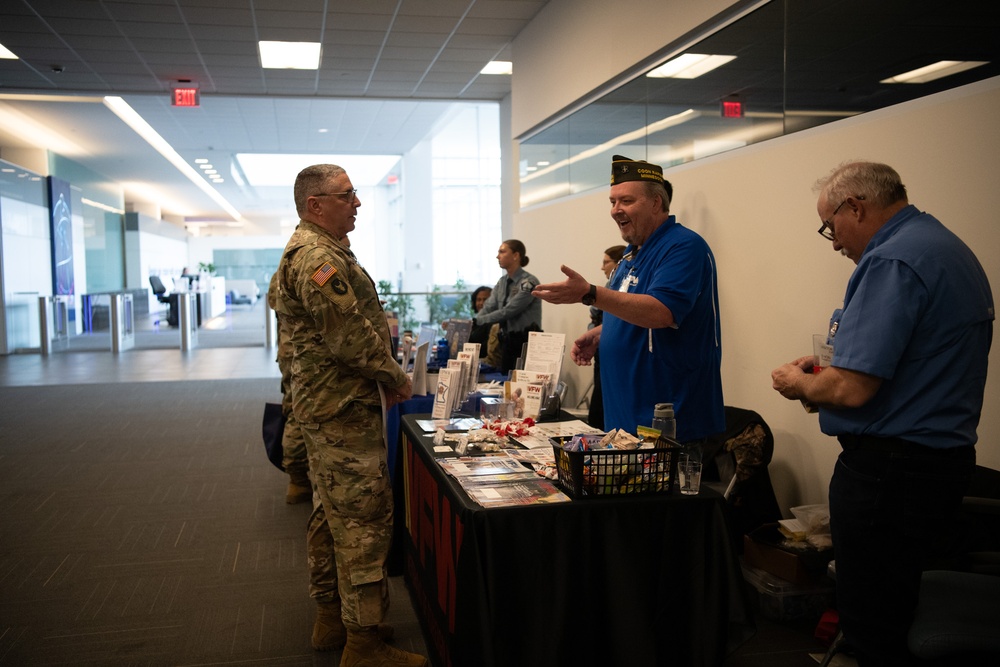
x: 329, y: 308
x: 319, y: 540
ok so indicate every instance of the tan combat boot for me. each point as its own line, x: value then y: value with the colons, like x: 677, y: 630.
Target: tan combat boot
x: 299, y: 488
x: 365, y: 649
x: 329, y: 633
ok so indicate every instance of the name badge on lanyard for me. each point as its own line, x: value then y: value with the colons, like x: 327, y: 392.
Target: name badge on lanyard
x: 628, y: 281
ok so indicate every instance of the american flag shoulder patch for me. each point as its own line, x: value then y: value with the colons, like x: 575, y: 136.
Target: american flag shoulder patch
x: 323, y: 274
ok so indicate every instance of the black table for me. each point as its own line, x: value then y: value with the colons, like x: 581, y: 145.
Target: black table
x: 650, y: 580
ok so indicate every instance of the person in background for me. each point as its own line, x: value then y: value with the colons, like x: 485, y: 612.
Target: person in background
x: 480, y: 333
x: 511, y: 304
x: 188, y: 278
x: 344, y: 375
x: 595, y: 416
x: 660, y: 339
x: 903, y: 394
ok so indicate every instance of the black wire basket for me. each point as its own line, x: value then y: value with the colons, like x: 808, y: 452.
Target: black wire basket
x: 616, y: 472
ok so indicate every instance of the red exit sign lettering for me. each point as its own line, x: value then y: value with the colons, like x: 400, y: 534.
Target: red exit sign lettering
x: 732, y: 109
x: 186, y: 97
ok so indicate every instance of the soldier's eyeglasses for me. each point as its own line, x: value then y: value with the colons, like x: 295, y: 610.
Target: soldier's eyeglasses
x: 348, y: 195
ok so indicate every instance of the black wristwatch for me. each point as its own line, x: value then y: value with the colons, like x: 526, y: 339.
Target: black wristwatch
x: 591, y: 296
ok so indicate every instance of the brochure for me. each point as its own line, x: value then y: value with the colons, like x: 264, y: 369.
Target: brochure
x: 526, y: 397
x: 444, y: 395
x: 457, y: 335
x: 545, y: 353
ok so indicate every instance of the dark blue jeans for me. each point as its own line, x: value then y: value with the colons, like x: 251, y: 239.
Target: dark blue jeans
x: 893, y: 514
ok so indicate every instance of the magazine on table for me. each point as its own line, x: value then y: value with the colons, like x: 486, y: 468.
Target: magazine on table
x: 469, y: 466
x: 529, y: 492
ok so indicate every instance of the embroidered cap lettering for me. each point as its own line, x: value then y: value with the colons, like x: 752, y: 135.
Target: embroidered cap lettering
x: 323, y: 274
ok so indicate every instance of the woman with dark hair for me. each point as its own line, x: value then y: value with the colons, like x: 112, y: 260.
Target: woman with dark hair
x: 595, y: 416
x: 480, y: 332
x: 512, y: 304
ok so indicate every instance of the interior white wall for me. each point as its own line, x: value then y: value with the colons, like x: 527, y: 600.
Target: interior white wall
x: 779, y: 281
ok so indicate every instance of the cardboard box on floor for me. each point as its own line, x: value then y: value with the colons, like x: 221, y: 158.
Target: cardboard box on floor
x: 761, y: 549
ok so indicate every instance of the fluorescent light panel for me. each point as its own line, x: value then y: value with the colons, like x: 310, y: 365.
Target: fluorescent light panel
x: 938, y: 70
x: 289, y: 55
x: 7, y: 54
x: 498, y: 67
x: 139, y: 125
x: 689, y: 66
x: 280, y: 170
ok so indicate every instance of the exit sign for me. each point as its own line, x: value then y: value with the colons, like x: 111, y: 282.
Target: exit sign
x: 186, y: 97
x: 732, y: 109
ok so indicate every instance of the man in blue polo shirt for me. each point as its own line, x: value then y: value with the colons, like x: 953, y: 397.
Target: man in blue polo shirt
x: 660, y: 341
x: 903, y: 394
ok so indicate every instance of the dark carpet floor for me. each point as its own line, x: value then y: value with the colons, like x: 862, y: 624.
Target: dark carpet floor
x: 142, y: 525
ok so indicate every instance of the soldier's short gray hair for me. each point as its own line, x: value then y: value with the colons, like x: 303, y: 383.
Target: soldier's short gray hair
x: 311, y: 181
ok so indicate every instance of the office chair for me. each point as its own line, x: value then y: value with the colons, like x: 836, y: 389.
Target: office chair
x: 159, y: 289
x: 956, y: 617
x: 736, y: 463
x: 955, y: 622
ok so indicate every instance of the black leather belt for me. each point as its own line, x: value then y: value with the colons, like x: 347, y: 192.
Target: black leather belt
x: 872, y: 443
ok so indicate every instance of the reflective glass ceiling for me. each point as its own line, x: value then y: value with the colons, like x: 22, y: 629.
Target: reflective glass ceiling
x: 799, y: 63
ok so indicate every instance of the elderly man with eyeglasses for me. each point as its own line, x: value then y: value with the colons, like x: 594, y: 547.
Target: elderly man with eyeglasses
x: 344, y: 374
x: 903, y: 394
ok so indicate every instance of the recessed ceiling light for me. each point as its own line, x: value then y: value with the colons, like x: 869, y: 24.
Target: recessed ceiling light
x: 323, y: 130
x: 206, y: 166
x: 200, y: 160
x: 498, y: 67
x: 211, y: 171
x: 689, y: 66
x: 289, y: 55
x: 7, y: 53
x: 938, y: 70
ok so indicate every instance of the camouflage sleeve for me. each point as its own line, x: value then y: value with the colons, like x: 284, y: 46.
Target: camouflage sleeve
x: 349, y: 322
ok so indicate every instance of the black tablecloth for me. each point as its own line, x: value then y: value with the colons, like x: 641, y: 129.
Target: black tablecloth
x: 643, y: 581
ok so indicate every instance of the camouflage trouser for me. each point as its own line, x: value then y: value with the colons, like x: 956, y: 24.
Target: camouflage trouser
x: 319, y: 552
x: 294, y: 449
x: 347, y: 459
x: 293, y: 446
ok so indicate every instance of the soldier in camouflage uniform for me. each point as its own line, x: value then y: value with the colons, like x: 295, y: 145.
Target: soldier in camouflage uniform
x: 343, y: 375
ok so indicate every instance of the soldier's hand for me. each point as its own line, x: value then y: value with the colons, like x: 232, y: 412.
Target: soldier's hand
x: 394, y: 395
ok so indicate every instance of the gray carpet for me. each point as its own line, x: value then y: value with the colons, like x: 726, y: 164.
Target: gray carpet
x: 143, y: 525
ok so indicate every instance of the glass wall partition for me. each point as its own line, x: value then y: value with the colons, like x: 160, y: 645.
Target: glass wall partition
x: 765, y: 69
x: 25, y: 256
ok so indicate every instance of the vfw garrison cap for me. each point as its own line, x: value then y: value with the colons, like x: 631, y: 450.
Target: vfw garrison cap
x: 625, y: 169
